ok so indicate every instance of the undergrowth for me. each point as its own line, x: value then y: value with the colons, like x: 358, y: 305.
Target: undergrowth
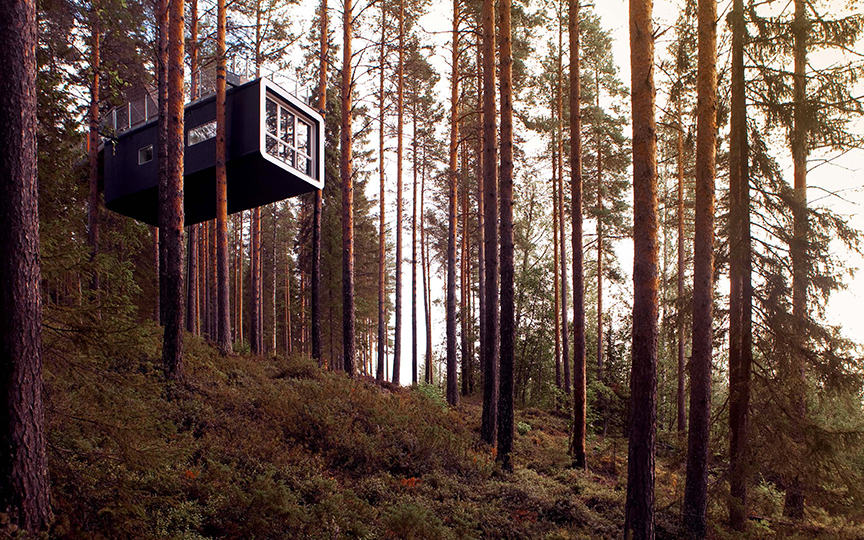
x: 263, y: 448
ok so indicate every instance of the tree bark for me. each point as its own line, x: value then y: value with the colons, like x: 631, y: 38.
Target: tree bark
x: 598, y: 142
x: 400, y: 97
x: 192, y: 278
x: 481, y: 226
x: 696, y: 486
x: 414, y: 358
x: 580, y: 406
x: 273, y: 280
x: 348, y: 312
x: 489, y: 418
x: 508, y: 308
x: 452, y: 382
x: 255, y: 282
x: 740, y: 351
x: 171, y: 214
x: 222, y: 278
x: 427, y: 314
x: 679, y: 396
x: 24, y: 486
x: 639, y: 510
x: 162, y: 137
x: 794, y: 504
x: 464, y: 288
x: 382, y: 233
x: 318, y: 205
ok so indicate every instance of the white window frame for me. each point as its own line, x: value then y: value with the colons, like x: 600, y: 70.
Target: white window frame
x: 295, y: 151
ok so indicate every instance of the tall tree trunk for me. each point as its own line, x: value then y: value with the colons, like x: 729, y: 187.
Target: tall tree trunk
x: 289, y: 349
x: 562, y: 235
x: 382, y: 238
x: 414, y: 359
x: 427, y: 313
x: 639, y: 510
x: 171, y: 213
x: 24, y: 486
x: 194, y: 76
x: 316, y: 215
x: 696, y: 487
x: 489, y: 419
x: 154, y: 232
x: 481, y: 226
x: 93, y: 143
x: 222, y: 286
x: 192, y: 278
x: 508, y: 308
x: 201, y: 300
x: 740, y: 352
x: 580, y: 405
x: 679, y: 396
x: 464, y: 286
x: 273, y: 267
x: 556, y: 264
x: 255, y: 281
x: 400, y: 97
x: 212, y: 296
x: 452, y: 388
x: 348, y: 347
x: 794, y: 504
x: 598, y: 143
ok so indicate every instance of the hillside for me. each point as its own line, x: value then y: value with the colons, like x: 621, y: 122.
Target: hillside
x: 276, y: 448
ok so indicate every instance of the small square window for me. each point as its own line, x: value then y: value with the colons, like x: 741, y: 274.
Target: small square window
x: 145, y: 155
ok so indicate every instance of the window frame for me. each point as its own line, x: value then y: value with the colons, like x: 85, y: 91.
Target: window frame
x: 143, y: 149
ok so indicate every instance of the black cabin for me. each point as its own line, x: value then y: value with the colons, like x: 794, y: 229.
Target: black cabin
x: 275, y: 150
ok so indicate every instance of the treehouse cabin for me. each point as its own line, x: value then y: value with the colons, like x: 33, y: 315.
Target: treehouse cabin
x: 275, y: 150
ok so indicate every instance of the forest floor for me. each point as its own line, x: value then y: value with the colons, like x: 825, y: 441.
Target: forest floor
x: 264, y: 448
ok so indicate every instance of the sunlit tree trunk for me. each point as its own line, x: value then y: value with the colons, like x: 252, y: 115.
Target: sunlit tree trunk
x: 171, y: 214
x: 414, y: 359
x: 162, y: 135
x: 639, y: 509
x: 24, y: 486
x: 255, y: 281
x: 696, y: 487
x: 223, y: 318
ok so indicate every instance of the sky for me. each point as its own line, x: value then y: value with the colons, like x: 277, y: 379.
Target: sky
x: 843, y: 177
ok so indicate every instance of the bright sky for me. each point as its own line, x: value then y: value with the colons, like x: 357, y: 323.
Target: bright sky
x: 844, y: 176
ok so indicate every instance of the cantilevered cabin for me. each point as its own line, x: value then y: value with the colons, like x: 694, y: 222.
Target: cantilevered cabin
x: 275, y: 150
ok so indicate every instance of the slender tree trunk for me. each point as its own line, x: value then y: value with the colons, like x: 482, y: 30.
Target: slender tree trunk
x: 489, y: 420
x: 481, y: 226
x: 93, y: 143
x: 680, y: 398
x: 348, y: 346
x: 154, y: 232
x: 452, y: 388
x: 24, y: 486
x: 191, y: 278
x: 171, y: 214
x: 240, y: 284
x: 222, y: 277
x: 464, y: 287
x: 382, y: 238
x: 562, y: 234
x: 427, y: 314
x: 273, y: 267
x: 289, y: 341
x: 508, y: 308
x: 598, y: 142
x: 740, y: 352
x: 201, y: 300
x: 400, y: 123
x: 414, y: 358
x: 255, y: 280
x: 580, y: 405
x: 318, y: 205
x: 696, y: 487
x: 639, y: 510
x: 213, y: 297
x: 556, y: 265
x: 794, y: 504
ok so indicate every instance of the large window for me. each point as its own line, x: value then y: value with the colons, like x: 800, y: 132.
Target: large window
x: 202, y: 133
x: 289, y: 137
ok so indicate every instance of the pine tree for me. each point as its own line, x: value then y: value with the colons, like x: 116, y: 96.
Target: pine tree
x: 452, y: 382
x: 639, y: 510
x: 24, y: 487
x: 222, y: 278
x: 348, y: 308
